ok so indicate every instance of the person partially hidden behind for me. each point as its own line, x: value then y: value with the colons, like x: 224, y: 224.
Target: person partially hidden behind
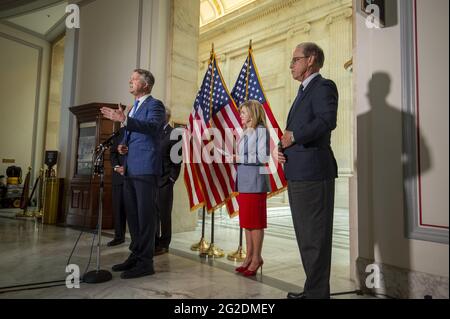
x: 118, y: 204
x: 142, y: 167
x: 310, y: 168
x: 164, y: 203
x: 252, y: 183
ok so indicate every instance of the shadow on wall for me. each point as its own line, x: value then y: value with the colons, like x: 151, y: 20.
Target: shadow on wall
x: 380, y: 187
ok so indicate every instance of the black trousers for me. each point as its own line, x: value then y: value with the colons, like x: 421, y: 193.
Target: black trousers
x: 140, y: 203
x: 119, y: 215
x: 312, y: 206
x: 164, y: 218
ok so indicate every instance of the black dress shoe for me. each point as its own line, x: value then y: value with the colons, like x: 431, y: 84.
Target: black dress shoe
x: 126, y: 265
x: 161, y: 251
x: 115, y: 242
x: 137, y: 271
x: 296, y: 295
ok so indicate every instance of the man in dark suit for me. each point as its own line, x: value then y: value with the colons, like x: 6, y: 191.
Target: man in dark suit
x: 170, y: 173
x: 142, y: 167
x: 117, y: 161
x: 311, y: 168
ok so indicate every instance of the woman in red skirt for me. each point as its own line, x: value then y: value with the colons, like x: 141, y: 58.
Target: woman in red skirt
x: 252, y: 185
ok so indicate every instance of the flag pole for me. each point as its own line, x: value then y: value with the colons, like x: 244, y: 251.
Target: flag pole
x: 202, y: 245
x: 240, y: 254
x: 213, y: 250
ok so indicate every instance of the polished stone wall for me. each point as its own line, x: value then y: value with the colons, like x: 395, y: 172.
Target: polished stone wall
x: 181, y: 91
x: 54, y: 97
x: 402, y: 283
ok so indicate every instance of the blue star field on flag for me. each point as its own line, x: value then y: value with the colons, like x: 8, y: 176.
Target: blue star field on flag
x: 255, y: 91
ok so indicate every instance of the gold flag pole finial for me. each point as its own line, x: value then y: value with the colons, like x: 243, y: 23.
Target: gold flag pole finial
x: 250, y: 45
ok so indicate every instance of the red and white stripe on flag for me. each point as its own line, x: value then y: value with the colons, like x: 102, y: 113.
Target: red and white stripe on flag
x: 210, y: 180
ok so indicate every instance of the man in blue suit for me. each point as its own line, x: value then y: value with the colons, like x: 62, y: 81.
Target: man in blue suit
x: 142, y: 166
x: 311, y: 168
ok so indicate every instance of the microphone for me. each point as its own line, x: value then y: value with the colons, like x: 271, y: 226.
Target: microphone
x: 108, y: 142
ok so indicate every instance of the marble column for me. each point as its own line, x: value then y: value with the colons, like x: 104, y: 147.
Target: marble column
x: 181, y: 90
x: 340, y: 43
x: 340, y: 26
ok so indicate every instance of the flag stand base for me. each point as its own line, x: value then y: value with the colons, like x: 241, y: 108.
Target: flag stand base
x: 202, y: 245
x: 238, y: 255
x: 213, y: 252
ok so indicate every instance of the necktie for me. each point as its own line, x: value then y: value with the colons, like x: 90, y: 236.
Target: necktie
x: 297, y: 99
x: 300, y: 91
x: 134, y: 108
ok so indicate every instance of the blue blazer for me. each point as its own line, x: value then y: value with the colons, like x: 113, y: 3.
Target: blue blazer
x: 143, y: 138
x: 253, y: 153
x: 312, y: 118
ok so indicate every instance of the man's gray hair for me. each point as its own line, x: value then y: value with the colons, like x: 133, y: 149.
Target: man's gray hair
x: 147, y: 77
x: 309, y: 49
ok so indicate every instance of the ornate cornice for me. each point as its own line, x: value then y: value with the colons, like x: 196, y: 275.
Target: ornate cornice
x: 251, y: 13
x: 304, y: 28
x: 287, y: 28
x: 247, y: 14
x: 340, y: 15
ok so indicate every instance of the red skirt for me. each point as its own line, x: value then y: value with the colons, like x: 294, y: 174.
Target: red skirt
x: 252, y: 210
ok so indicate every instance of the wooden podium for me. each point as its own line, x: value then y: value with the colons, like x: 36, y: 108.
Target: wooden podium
x: 92, y: 130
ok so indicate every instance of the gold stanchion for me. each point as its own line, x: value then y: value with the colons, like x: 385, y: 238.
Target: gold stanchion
x: 24, y: 197
x: 239, y: 254
x: 213, y: 251
x: 202, y: 245
x: 51, y: 199
x: 40, y: 201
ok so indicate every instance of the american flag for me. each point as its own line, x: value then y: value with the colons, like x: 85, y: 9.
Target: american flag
x: 210, y: 180
x: 248, y: 87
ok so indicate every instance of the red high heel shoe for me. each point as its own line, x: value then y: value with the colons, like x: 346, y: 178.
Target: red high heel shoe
x: 250, y: 273
x: 241, y: 269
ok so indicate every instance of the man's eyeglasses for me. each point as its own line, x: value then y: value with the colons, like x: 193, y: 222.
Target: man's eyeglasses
x: 295, y: 59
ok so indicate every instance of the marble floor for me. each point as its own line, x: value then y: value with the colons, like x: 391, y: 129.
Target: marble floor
x: 34, y: 253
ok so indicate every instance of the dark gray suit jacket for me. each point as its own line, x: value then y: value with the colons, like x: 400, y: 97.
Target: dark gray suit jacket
x: 312, y: 118
x: 116, y: 158
x: 170, y: 170
x: 253, y: 151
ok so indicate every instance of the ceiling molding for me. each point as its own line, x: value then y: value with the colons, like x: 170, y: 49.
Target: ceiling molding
x: 248, y: 13
x: 21, y: 7
x: 211, y: 10
x: 218, y: 6
x: 22, y: 29
x: 57, y: 30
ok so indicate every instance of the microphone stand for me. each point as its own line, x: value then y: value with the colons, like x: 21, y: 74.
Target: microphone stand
x: 99, y: 275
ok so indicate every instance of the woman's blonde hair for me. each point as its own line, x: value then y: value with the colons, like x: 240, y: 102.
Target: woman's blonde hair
x: 256, y: 111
